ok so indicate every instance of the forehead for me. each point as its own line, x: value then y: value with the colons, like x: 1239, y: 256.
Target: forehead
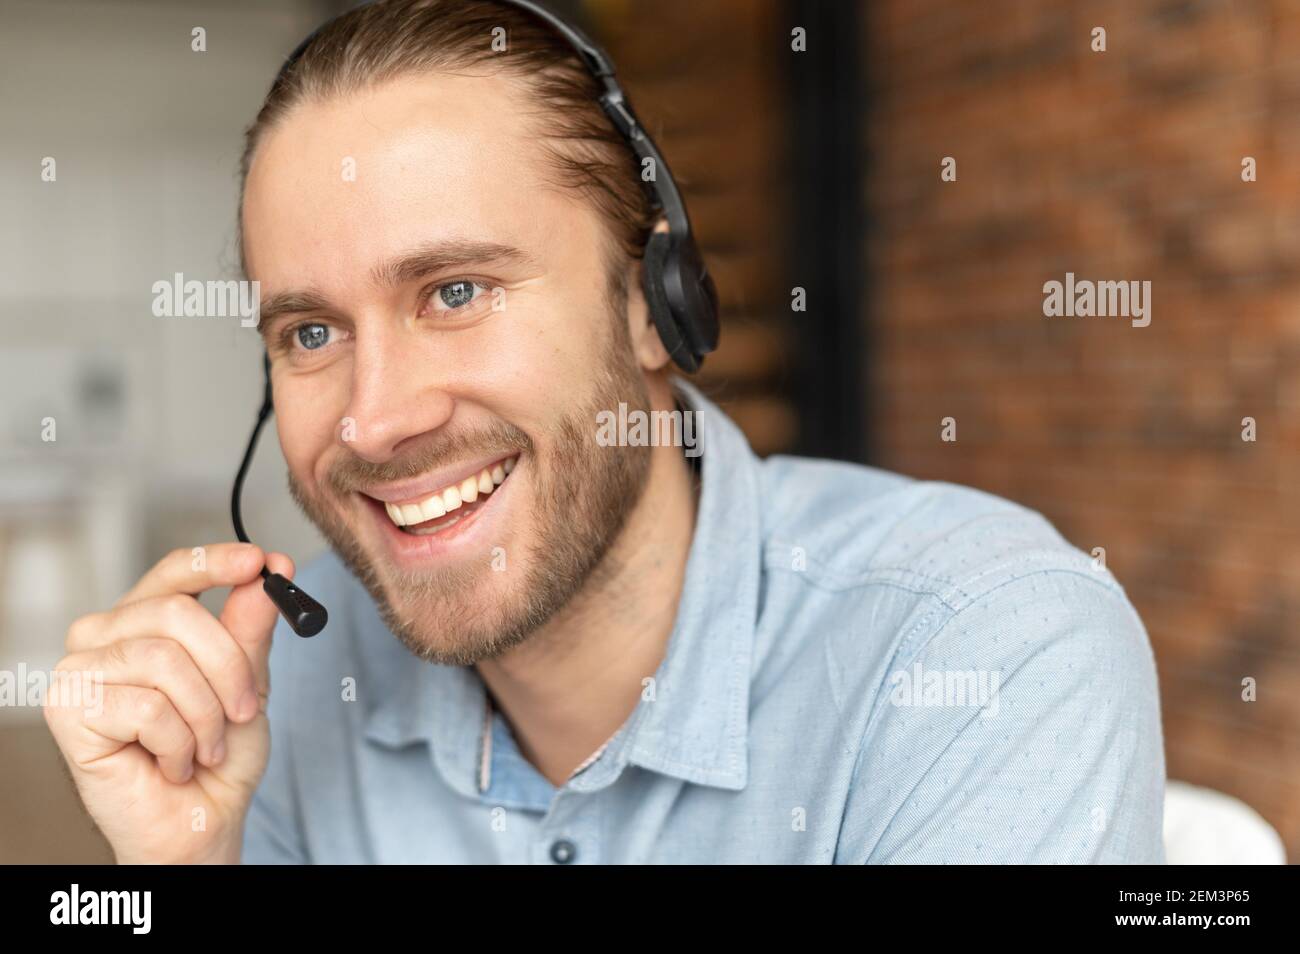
x: 342, y: 183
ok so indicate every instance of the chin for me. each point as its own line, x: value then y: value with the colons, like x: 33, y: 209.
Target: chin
x: 460, y: 615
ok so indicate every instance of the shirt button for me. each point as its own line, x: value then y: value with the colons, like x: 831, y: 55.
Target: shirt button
x: 563, y: 851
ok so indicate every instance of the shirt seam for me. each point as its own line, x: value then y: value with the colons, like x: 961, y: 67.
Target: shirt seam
x: 955, y: 595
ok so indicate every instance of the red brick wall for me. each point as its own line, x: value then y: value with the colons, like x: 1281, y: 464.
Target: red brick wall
x: 1116, y: 165
x: 707, y: 80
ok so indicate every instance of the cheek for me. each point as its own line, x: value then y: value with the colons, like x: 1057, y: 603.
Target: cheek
x: 539, y: 364
x: 539, y: 387
x: 308, y: 427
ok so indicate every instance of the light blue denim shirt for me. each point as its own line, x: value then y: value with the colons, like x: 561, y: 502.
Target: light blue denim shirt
x: 864, y: 668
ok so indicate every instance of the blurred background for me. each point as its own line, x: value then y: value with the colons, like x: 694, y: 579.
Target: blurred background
x: 817, y: 169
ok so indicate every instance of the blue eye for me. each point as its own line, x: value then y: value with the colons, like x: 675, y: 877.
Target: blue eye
x: 457, y: 294
x: 313, y: 336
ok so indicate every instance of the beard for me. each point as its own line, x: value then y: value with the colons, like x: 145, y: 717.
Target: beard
x: 582, y: 495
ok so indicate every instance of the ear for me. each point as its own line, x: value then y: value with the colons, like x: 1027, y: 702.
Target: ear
x: 646, y: 344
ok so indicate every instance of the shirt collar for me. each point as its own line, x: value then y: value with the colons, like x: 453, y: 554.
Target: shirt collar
x: 696, y: 725
x: 442, y: 706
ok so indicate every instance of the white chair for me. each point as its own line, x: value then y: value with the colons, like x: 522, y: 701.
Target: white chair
x: 1205, y: 827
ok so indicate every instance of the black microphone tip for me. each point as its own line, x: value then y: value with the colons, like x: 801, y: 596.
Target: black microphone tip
x: 303, y: 614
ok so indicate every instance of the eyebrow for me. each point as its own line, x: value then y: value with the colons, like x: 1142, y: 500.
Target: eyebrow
x: 418, y: 262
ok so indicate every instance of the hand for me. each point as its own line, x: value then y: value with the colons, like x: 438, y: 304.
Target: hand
x: 167, y: 760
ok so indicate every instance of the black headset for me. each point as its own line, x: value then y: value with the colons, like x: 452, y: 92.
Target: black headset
x: 678, y: 288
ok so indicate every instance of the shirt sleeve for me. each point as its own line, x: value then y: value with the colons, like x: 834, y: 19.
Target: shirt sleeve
x: 1058, y: 759
x: 272, y: 832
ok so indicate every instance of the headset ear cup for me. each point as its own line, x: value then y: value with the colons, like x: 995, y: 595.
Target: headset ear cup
x: 653, y: 267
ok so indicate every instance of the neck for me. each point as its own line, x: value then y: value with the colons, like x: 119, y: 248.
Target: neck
x: 574, y: 682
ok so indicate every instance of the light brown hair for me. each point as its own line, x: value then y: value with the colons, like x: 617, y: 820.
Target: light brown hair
x: 382, y: 41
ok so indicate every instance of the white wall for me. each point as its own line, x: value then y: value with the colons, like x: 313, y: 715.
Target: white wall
x: 146, y: 135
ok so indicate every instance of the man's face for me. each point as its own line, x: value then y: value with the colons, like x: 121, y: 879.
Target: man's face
x: 442, y: 335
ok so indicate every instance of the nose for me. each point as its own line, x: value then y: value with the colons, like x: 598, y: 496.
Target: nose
x: 393, y: 398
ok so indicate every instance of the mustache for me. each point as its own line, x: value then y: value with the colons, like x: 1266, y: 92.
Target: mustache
x: 352, y: 473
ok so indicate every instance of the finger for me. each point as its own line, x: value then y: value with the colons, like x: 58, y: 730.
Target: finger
x: 249, y: 616
x: 183, y: 619
x: 162, y: 664
x: 135, y: 714
x: 198, y: 569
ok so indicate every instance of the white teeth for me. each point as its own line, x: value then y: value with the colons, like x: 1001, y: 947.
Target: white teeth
x: 433, y: 508
x: 450, y: 498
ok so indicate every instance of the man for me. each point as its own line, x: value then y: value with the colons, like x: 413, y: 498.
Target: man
x: 546, y: 645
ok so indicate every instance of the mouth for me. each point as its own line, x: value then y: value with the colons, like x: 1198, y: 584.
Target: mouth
x: 436, y: 512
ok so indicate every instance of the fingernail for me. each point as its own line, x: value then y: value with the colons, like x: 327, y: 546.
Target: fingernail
x: 248, y: 705
x: 218, y: 751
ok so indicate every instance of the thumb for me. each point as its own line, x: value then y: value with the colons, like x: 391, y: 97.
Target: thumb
x: 249, y: 616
